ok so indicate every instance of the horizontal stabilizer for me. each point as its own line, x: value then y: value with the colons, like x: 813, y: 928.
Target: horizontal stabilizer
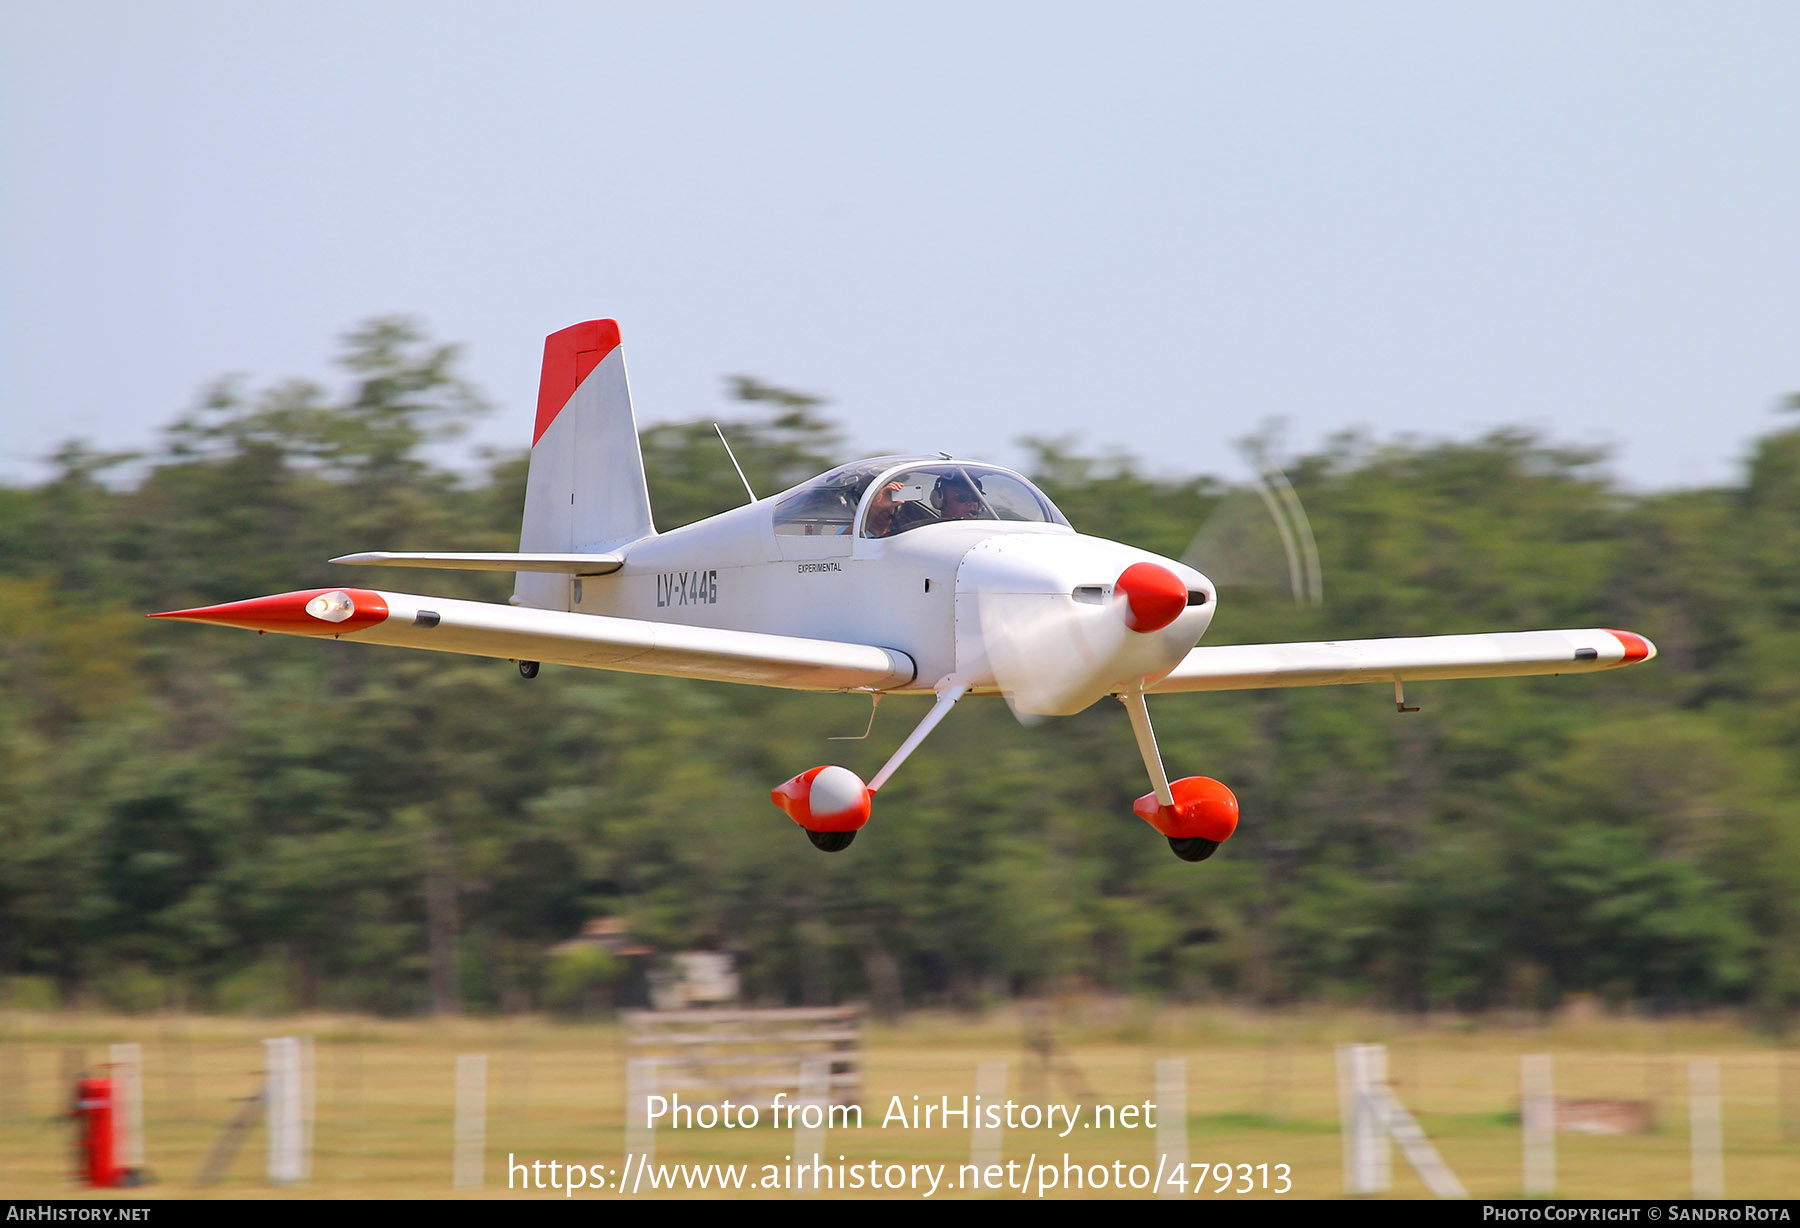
x: 1241, y: 667
x: 559, y: 564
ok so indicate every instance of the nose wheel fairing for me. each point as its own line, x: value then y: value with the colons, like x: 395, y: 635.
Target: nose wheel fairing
x: 1203, y: 809
x: 1192, y: 809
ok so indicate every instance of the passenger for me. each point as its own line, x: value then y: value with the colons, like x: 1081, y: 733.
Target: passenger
x: 889, y: 514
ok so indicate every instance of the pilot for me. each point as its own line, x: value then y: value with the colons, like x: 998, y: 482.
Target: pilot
x: 957, y: 496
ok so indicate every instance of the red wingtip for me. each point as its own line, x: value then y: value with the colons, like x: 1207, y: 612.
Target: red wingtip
x: 313, y: 611
x: 1637, y: 648
x: 570, y: 355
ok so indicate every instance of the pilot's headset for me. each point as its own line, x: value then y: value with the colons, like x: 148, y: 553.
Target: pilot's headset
x: 948, y: 480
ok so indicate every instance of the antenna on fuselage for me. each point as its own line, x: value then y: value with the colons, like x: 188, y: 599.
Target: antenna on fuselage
x: 734, y: 463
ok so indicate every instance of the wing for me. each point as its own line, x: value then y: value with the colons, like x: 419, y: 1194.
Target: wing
x: 1239, y: 667
x: 484, y: 629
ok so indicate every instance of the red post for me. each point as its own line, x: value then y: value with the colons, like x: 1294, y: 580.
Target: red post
x: 94, y: 1112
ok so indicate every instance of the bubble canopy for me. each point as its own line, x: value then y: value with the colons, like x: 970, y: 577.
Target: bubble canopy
x: 909, y: 493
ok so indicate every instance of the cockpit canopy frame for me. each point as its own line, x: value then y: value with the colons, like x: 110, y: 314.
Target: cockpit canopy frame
x: 889, y: 495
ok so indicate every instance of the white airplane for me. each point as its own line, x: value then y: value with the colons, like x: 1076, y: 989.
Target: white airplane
x: 897, y: 575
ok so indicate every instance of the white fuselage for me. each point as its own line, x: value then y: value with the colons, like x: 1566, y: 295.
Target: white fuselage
x: 919, y: 593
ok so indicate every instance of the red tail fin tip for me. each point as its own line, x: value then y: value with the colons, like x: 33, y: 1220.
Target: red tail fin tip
x: 570, y: 356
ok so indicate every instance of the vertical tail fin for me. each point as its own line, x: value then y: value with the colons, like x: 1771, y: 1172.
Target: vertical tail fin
x: 585, y: 490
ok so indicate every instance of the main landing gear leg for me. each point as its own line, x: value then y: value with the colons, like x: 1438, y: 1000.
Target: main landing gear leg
x: 948, y: 692
x: 832, y: 803
x: 1196, y: 814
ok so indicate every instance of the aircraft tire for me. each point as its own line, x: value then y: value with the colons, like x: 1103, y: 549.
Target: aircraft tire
x: 830, y: 841
x: 1193, y: 848
x: 528, y: 669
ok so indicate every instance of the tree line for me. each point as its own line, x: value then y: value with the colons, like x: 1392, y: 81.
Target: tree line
x: 224, y: 821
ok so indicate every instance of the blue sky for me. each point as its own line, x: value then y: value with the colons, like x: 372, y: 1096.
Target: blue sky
x: 1153, y: 226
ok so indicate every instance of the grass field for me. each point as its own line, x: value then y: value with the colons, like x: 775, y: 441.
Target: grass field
x: 1261, y: 1090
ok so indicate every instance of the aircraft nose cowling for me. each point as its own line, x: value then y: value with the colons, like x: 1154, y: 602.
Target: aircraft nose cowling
x: 1154, y: 596
x: 1055, y: 622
